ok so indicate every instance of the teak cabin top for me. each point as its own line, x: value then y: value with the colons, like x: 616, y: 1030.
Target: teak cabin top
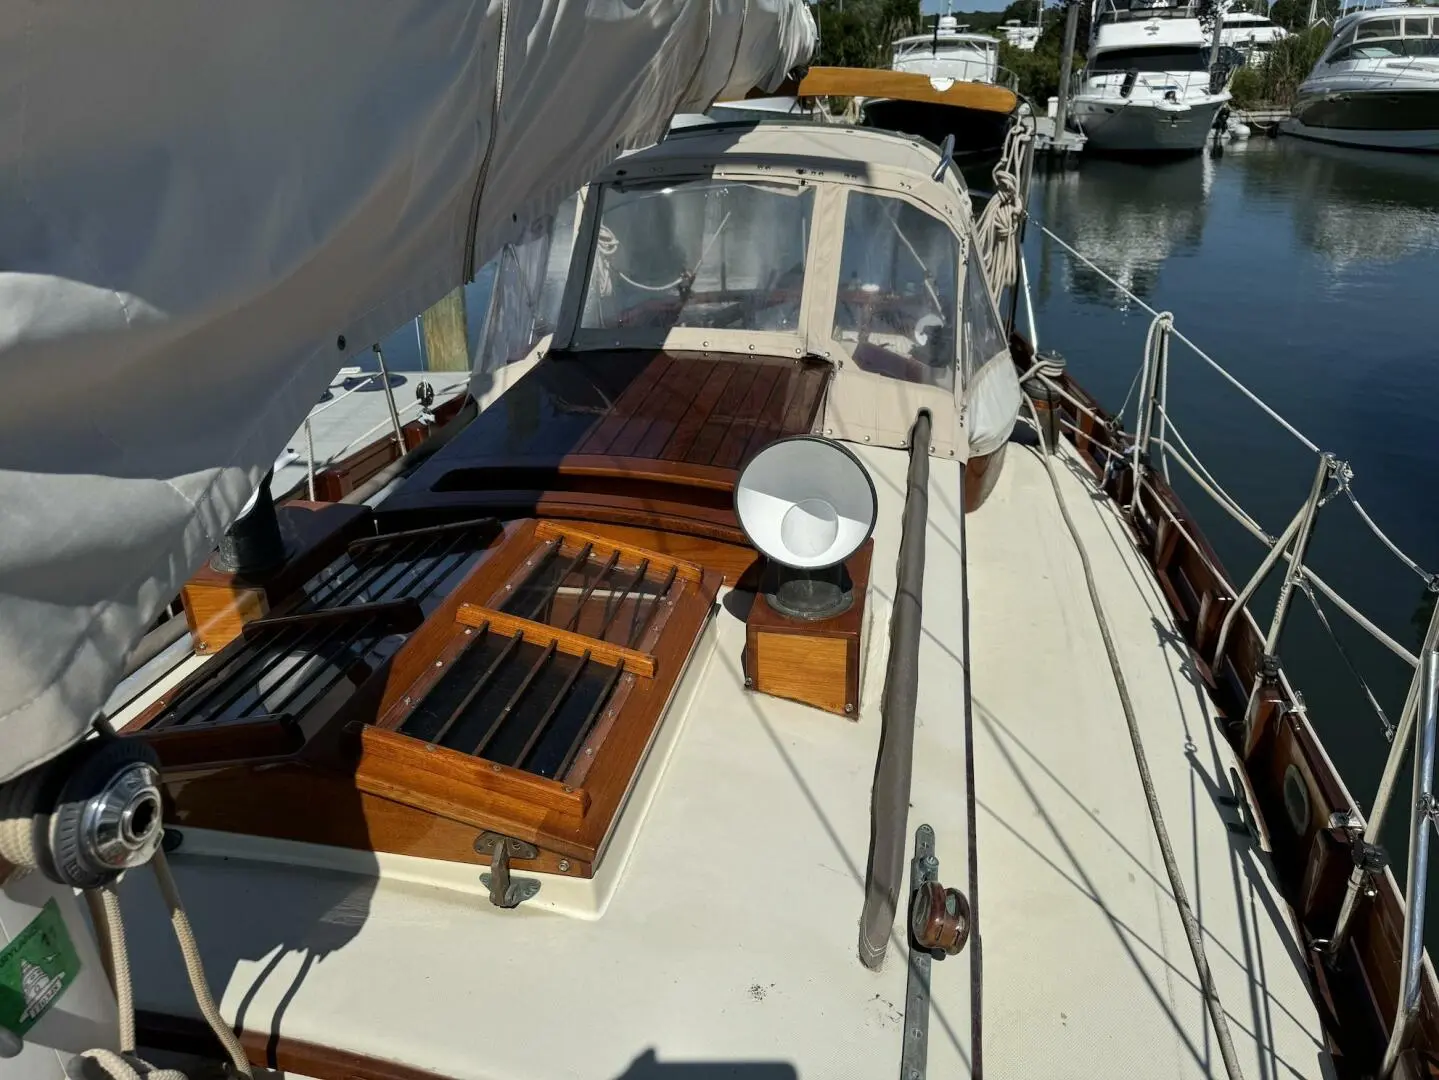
x: 493, y: 650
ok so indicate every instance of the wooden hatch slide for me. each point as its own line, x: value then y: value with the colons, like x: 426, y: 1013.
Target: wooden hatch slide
x: 896, y: 86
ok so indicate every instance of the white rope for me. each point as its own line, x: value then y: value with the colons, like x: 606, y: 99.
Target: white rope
x: 190, y: 950
x: 1192, y: 930
x: 19, y: 807
x: 1208, y: 484
x: 998, y: 224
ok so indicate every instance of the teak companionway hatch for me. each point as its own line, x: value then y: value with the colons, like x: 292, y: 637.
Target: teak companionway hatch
x: 439, y: 681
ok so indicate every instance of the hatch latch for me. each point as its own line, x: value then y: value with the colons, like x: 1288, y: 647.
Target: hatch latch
x: 506, y: 891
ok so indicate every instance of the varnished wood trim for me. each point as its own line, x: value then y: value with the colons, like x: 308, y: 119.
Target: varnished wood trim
x: 403, y: 764
x: 604, y: 545
x: 899, y: 86
x: 565, y: 641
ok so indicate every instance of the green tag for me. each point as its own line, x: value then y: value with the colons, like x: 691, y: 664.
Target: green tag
x: 35, y: 969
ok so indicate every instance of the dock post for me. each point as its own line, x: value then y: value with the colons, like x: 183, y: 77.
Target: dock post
x: 1066, y: 68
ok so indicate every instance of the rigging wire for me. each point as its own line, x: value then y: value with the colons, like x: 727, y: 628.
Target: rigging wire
x: 1308, y: 590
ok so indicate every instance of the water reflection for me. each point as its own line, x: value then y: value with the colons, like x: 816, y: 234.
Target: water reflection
x: 1349, y: 205
x: 1127, y: 219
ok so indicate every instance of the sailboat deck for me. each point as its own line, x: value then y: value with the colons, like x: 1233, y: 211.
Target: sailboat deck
x: 722, y: 930
x: 1087, y: 969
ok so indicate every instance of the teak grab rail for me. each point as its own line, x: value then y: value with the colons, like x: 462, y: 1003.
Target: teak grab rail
x: 889, y: 803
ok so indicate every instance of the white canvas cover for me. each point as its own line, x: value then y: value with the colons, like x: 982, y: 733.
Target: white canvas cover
x: 205, y: 209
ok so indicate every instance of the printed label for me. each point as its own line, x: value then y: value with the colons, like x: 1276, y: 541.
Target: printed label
x: 35, y: 970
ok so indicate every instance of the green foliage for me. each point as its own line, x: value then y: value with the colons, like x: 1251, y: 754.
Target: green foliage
x: 1038, y: 71
x: 1294, y: 14
x: 1274, y: 81
x: 858, y: 33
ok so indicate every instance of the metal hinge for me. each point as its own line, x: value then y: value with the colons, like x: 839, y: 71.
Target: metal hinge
x: 505, y: 891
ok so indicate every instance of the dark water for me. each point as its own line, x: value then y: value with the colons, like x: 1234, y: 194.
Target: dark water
x: 1312, y: 274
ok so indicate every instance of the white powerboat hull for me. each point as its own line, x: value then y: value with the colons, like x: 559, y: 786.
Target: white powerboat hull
x: 1113, y: 124
x: 1417, y: 141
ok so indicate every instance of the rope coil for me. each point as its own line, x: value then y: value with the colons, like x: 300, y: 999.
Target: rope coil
x: 999, y: 222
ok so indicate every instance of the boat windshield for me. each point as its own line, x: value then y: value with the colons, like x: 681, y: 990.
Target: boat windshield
x: 1149, y: 58
x: 708, y: 254
x: 899, y: 272
x: 1382, y: 39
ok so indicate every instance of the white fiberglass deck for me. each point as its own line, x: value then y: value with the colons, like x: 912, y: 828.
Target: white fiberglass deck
x: 1087, y: 969
x: 354, y: 414
x: 729, y: 937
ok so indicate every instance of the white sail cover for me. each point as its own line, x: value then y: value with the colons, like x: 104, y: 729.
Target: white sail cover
x: 206, y: 208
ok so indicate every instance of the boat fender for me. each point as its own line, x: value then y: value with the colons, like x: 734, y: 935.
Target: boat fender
x: 1130, y: 78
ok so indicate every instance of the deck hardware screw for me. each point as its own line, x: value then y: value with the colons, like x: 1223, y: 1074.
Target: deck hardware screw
x: 200, y: 646
x: 931, y: 449
x: 589, y: 751
x: 849, y: 706
x: 469, y: 630
x: 439, y: 663
x: 866, y: 439
x: 564, y: 866
x: 494, y: 768
x: 407, y: 699
x: 569, y: 790
x: 930, y: 861
x: 508, y: 588
x: 706, y: 344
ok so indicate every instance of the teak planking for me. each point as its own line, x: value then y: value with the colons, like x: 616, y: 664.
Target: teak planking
x: 808, y: 669
x: 732, y: 560
x: 565, y: 641
x: 813, y: 662
x: 603, y: 545
x: 217, y: 611
x: 403, y: 763
x: 218, y: 604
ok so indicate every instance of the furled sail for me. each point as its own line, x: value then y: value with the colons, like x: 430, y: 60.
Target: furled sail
x: 205, y: 209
